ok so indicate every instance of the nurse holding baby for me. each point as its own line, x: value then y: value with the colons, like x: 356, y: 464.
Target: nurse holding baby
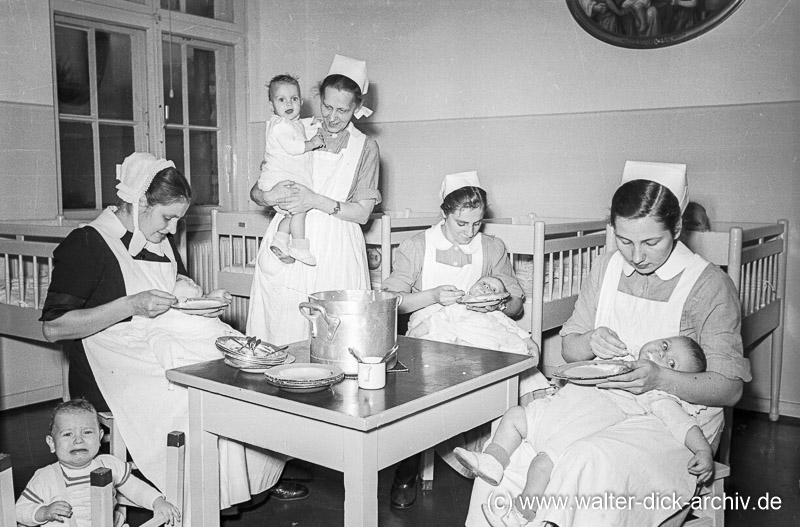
x: 653, y: 285
x: 434, y: 270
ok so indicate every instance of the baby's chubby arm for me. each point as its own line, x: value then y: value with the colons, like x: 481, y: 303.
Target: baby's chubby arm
x: 293, y: 143
x: 166, y: 510
x: 702, y: 463
x: 58, y: 511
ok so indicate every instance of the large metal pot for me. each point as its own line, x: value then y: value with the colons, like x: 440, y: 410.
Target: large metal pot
x: 365, y: 321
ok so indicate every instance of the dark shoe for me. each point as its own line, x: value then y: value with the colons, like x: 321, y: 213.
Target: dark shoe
x: 289, y: 491
x: 403, y: 495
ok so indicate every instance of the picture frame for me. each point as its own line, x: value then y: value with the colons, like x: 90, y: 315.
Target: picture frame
x: 644, y: 24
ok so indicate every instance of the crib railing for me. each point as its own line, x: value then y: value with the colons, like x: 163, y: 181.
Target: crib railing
x: 27, y: 268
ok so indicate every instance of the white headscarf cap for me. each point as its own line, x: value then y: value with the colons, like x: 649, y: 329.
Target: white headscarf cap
x: 670, y: 175
x: 355, y: 70
x: 135, y: 175
x: 460, y: 180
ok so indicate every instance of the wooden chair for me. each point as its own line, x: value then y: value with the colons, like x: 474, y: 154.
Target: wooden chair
x: 102, y: 488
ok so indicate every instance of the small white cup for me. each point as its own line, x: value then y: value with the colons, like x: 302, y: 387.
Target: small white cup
x: 371, y: 373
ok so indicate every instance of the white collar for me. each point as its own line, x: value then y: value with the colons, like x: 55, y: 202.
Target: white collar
x: 138, y: 241
x: 675, y: 264
x: 441, y: 243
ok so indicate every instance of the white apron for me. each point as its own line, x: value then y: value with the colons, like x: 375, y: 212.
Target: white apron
x: 622, y: 460
x: 145, y: 405
x: 338, y: 246
x: 435, y: 274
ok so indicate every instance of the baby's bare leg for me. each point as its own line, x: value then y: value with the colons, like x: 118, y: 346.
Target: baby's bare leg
x: 285, y: 225
x: 513, y: 428
x: 539, y: 473
x: 298, y: 225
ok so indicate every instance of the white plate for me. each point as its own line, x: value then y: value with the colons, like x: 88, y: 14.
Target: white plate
x: 200, y: 306
x: 484, y: 300
x: 310, y: 389
x: 591, y: 371
x: 289, y: 359
x: 304, y: 377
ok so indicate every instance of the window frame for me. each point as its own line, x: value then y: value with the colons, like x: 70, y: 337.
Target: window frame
x: 155, y: 24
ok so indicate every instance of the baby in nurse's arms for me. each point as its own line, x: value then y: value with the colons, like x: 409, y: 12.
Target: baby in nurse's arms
x: 575, y: 412
x: 457, y: 324
x: 186, y: 288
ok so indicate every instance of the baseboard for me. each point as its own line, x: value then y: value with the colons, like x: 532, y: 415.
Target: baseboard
x: 760, y: 404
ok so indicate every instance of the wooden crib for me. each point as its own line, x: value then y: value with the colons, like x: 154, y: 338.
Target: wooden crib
x: 26, y: 254
x: 755, y: 257
x: 535, y: 245
x: 567, y: 246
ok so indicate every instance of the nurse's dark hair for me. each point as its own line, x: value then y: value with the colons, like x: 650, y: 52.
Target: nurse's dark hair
x: 642, y: 198
x: 342, y: 83
x: 697, y: 356
x: 283, y: 78
x: 76, y: 405
x: 168, y: 186
x: 464, y: 198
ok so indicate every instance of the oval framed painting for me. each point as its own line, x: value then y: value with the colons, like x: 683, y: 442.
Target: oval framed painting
x: 649, y: 23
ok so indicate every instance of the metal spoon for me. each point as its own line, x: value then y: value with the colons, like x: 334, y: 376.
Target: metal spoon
x: 389, y: 353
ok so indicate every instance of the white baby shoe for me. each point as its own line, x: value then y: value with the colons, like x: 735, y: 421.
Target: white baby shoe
x: 280, y: 247
x: 482, y: 465
x: 299, y: 249
x: 513, y: 518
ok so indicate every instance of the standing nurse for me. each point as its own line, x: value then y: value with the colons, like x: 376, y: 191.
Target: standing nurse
x: 345, y: 190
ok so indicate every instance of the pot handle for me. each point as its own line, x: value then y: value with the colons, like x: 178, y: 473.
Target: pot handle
x: 332, y: 322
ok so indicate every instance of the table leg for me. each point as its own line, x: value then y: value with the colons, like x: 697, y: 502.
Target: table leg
x: 361, y: 479
x: 204, y: 456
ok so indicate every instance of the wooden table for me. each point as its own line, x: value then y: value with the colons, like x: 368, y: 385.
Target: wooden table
x: 448, y: 389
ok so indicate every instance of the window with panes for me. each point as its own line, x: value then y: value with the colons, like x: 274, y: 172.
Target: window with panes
x: 135, y: 78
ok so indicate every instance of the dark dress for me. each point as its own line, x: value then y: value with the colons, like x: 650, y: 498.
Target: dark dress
x: 86, y: 274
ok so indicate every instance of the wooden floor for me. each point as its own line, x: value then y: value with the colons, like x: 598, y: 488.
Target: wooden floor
x: 765, y: 472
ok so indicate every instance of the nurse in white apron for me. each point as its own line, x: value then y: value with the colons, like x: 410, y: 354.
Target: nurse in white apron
x: 652, y: 286
x: 434, y: 269
x: 345, y: 190
x: 112, y: 284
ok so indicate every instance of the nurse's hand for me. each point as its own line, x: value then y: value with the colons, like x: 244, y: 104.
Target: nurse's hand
x: 151, y: 303
x: 642, y: 378
x: 447, y: 294
x: 605, y: 344
x: 302, y: 199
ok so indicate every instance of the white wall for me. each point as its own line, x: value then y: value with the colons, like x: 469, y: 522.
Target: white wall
x: 548, y: 115
x: 27, y: 137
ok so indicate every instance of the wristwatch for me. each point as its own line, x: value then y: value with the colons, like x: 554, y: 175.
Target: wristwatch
x: 336, y: 209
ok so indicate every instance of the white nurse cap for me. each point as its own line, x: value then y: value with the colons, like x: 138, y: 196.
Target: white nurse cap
x: 135, y: 175
x: 460, y: 180
x: 355, y: 70
x: 670, y: 175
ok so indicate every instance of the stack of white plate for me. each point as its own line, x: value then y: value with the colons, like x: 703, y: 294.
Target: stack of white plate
x: 250, y: 355
x: 304, y: 378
